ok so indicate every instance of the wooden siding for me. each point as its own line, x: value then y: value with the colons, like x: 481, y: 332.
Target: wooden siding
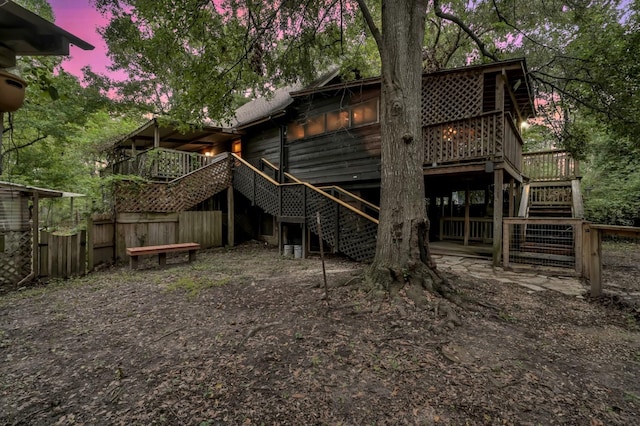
x: 264, y: 142
x: 345, y: 156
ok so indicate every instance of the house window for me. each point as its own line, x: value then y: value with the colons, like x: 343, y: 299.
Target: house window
x: 236, y: 148
x: 315, y: 126
x: 295, y: 131
x: 364, y: 113
x: 337, y: 120
x: 356, y: 115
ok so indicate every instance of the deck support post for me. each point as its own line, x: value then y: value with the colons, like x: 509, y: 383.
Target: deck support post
x: 497, y: 215
x: 467, y: 215
x: 231, y: 226
x: 512, y: 192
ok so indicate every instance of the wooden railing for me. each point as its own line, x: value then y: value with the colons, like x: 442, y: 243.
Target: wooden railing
x: 162, y: 164
x: 512, y: 145
x: 347, y: 229
x: 487, y: 137
x: 480, y: 229
x: 340, y: 193
x: 550, y: 165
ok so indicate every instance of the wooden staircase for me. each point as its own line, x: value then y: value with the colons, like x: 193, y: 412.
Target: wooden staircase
x: 346, y: 228
x: 552, y: 199
x: 200, y: 182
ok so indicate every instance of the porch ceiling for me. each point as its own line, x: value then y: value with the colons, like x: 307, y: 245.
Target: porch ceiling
x: 190, y: 141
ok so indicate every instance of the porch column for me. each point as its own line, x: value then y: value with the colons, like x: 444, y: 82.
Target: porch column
x: 230, y: 218
x: 512, y: 193
x: 497, y: 216
x: 156, y: 135
x: 467, y: 219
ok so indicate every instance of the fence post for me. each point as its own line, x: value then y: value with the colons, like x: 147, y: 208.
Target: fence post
x: 89, y: 239
x: 596, y: 263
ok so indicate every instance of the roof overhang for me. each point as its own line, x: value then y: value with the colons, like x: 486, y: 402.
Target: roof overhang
x: 192, y: 140
x: 30, y: 190
x: 27, y: 34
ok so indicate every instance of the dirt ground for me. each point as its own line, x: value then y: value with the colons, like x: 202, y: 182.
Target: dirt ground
x: 243, y: 336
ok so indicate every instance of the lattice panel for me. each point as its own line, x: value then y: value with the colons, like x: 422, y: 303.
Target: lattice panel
x: 243, y: 181
x: 293, y: 200
x: 202, y: 184
x: 267, y: 195
x: 463, y: 140
x: 328, y: 209
x: 451, y: 97
x: 178, y: 195
x: 357, y: 235
x: 15, y: 260
x: 136, y: 197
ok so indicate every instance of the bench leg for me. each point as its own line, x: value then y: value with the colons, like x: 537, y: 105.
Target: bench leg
x: 192, y: 255
x: 134, y: 262
x: 162, y: 259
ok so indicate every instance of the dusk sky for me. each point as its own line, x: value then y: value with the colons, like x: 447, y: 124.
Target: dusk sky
x: 80, y: 19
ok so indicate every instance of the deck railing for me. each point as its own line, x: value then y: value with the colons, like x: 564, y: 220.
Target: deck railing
x: 487, y: 137
x: 161, y: 164
x: 480, y: 229
x: 550, y: 165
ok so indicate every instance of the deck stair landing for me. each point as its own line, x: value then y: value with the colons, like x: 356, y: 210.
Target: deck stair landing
x: 347, y: 229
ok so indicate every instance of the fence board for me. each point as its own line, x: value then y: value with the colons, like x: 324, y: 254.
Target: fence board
x: 204, y: 228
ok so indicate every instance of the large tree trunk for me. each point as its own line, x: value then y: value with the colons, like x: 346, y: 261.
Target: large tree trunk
x: 402, y: 255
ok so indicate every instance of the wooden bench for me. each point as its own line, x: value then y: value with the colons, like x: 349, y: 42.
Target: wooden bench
x: 162, y: 251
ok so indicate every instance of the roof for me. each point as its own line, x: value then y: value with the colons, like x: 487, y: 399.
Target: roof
x: 189, y: 140
x: 276, y: 103
x: 515, y: 69
x: 42, y: 192
x: 28, y: 34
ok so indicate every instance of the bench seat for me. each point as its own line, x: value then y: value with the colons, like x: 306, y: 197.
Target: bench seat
x: 162, y: 251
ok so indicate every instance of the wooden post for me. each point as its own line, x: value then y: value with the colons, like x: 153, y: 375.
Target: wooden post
x: 467, y: 214
x: 35, y: 218
x: 230, y: 217
x: 82, y: 254
x: 596, y: 263
x: 512, y: 191
x: 497, y: 215
x: 90, y: 254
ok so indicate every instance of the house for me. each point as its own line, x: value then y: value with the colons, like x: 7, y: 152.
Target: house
x: 316, y: 149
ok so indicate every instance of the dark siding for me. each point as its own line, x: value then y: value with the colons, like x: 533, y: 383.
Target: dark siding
x: 262, y: 142
x: 345, y: 156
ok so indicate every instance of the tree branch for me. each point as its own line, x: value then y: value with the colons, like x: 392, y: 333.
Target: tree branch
x: 375, y: 32
x: 449, y: 17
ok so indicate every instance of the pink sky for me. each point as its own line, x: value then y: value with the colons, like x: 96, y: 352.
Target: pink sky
x: 80, y: 19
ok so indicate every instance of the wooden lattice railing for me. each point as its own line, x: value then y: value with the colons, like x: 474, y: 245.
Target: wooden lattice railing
x: 335, y: 191
x: 161, y: 164
x: 347, y: 229
x: 177, y: 195
x: 550, y: 165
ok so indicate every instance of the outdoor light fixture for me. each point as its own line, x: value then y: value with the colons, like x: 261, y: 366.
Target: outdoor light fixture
x: 11, y: 91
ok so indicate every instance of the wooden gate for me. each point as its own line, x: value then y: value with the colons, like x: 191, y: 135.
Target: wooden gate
x: 62, y: 256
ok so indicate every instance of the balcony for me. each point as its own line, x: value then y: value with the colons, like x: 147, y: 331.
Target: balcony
x: 161, y: 164
x: 488, y: 137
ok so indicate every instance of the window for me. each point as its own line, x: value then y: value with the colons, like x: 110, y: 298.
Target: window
x: 314, y: 126
x: 337, y: 120
x: 236, y: 148
x: 364, y: 113
x: 356, y: 115
x: 295, y: 131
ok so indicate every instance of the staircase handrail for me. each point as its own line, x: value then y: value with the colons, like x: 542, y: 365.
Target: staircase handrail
x: 326, y: 188
x: 308, y: 185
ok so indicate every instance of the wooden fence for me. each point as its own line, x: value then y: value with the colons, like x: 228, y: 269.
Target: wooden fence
x: 148, y: 229
x: 62, y: 256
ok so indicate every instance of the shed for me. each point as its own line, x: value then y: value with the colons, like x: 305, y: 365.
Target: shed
x: 19, y: 231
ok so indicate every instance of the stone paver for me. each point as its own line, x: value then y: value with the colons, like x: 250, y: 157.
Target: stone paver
x: 481, y: 269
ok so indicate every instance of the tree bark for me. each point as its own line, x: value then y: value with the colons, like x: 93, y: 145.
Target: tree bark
x: 402, y: 251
